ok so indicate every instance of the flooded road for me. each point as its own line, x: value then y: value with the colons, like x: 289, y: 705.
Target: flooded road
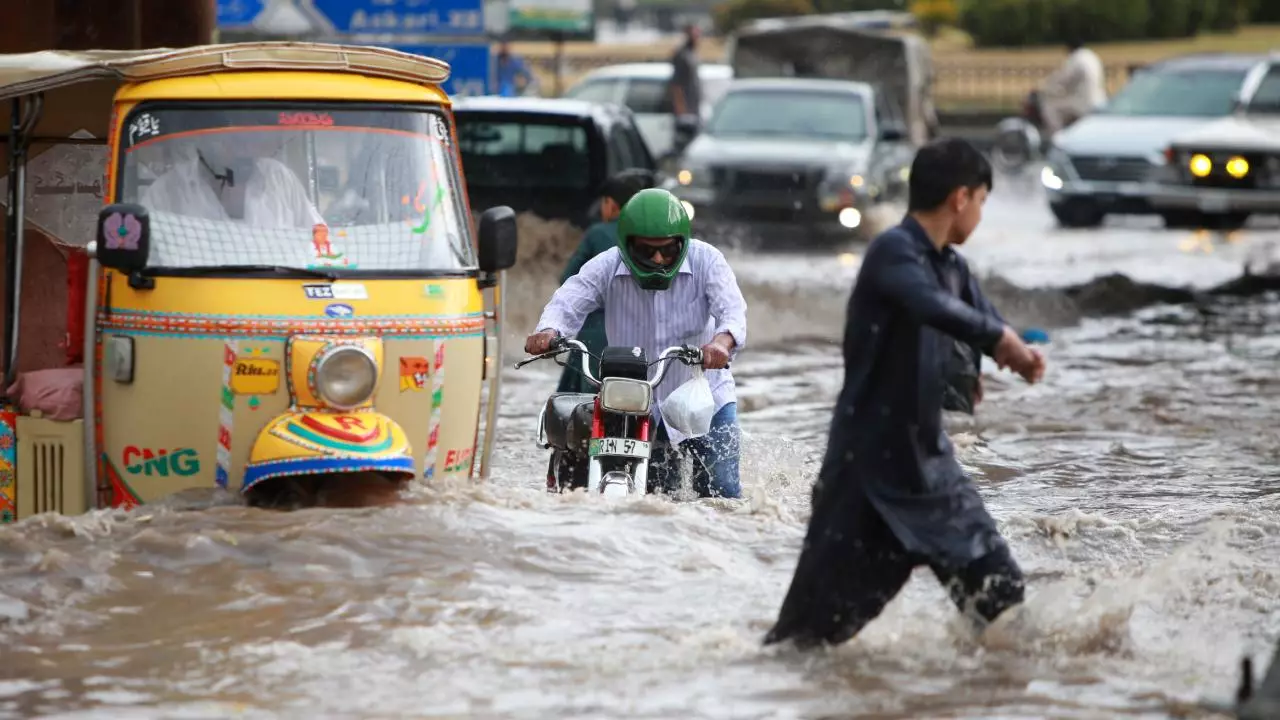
x: 1138, y: 486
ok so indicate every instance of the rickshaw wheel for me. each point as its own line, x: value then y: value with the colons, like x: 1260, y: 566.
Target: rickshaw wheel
x: 334, y: 490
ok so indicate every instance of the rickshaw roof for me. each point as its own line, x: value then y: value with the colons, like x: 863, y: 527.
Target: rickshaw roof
x: 28, y: 73
x: 75, y: 83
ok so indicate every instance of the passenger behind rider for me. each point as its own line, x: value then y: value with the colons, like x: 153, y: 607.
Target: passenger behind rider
x: 599, y: 237
x: 659, y: 288
x: 233, y: 177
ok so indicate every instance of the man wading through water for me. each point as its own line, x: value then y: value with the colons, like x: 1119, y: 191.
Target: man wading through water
x: 891, y: 496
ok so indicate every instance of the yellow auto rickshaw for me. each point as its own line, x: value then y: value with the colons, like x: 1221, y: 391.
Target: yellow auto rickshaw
x: 284, y: 290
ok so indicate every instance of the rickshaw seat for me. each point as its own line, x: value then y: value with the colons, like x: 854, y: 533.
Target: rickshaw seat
x: 567, y: 420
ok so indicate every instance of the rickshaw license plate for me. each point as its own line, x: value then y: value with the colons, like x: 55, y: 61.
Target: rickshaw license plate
x: 618, y: 447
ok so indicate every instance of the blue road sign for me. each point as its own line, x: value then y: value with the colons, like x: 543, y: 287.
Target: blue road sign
x: 234, y: 14
x: 470, y: 66
x: 403, y: 17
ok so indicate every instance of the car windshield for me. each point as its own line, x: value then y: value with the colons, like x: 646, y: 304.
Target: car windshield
x: 1192, y: 93
x: 531, y: 151
x: 790, y: 113
x: 343, y: 189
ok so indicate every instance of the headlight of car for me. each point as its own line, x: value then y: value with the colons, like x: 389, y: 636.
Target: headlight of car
x: 1053, y: 175
x: 840, y: 188
x: 622, y: 395
x: 694, y: 175
x: 346, y: 377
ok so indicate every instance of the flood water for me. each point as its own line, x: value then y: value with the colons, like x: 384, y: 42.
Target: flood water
x: 1137, y: 485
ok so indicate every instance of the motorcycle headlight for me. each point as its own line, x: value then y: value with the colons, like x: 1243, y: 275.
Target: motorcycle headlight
x: 622, y: 395
x: 346, y: 377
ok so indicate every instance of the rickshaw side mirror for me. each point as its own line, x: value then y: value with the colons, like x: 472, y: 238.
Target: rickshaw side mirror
x: 124, y: 237
x: 497, y: 239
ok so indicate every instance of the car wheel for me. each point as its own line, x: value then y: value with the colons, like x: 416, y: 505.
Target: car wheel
x: 1078, y: 214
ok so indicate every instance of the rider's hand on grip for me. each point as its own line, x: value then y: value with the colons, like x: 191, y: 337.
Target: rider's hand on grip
x: 714, y: 357
x: 541, y: 342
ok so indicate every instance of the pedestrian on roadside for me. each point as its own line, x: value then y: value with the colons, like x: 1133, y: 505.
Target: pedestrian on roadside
x: 686, y: 90
x: 514, y: 76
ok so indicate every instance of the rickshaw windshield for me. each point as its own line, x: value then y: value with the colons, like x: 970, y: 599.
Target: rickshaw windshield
x: 340, y: 189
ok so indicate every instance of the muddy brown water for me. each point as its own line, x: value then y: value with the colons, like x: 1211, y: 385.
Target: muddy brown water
x: 1138, y: 486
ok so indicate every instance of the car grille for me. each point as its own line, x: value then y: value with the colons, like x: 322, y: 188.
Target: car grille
x: 786, y: 180
x: 1110, y: 168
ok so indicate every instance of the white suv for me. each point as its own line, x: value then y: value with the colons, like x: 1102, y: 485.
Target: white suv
x: 642, y: 87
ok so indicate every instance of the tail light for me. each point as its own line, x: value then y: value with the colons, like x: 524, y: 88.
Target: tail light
x: 597, y: 421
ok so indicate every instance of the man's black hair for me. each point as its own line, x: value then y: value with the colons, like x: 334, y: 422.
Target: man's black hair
x: 622, y: 186
x: 943, y: 166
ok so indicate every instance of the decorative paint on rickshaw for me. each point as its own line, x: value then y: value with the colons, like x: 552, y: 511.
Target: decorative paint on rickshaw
x: 205, y: 326
x: 8, y: 466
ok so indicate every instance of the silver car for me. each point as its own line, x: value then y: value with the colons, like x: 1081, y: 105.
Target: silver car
x: 795, y: 158
x: 1113, y: 161
x: 1224, y: 171
x: 642, y: 88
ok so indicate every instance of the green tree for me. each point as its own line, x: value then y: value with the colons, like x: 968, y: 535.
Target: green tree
x: 1175, y: 18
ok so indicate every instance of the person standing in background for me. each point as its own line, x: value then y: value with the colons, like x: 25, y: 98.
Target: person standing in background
x: 686, y: 89
x: 514, y: 76
x: 599, y: 237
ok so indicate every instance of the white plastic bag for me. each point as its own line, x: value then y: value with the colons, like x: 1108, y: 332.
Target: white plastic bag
x: 689, y: 409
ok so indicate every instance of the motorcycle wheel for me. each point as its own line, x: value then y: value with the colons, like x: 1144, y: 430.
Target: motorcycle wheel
x: 569, y: 471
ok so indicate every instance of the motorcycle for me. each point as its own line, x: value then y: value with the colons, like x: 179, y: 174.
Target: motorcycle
x: 1019, y: 142
x: 601, y: 441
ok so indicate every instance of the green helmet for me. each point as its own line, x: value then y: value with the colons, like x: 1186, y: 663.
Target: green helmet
x: 653, y: 213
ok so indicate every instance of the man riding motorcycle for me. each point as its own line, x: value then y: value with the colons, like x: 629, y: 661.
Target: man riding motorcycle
x: 660, y: 288
x: 1074, y: 90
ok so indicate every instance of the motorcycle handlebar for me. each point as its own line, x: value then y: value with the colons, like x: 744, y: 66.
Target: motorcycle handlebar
x: 686, y: 354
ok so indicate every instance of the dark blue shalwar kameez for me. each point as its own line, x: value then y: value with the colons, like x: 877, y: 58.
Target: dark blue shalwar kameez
x: 891, y: 495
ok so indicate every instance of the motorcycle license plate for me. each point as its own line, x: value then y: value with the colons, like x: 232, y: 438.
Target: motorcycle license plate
x: 619, y: 447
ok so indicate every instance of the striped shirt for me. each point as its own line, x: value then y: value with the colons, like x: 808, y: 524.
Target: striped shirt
x: 702, y: 302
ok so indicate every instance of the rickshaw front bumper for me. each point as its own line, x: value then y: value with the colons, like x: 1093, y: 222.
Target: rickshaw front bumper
x: 324, y: 443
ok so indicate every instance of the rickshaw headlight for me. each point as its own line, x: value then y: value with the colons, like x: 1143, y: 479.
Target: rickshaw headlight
x: 346, y: 377
x: 622, y: 395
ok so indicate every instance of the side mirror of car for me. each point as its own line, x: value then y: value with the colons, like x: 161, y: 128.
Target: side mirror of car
x: 893, y: 132
x: 123, y: 241
x: 497, y: 241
